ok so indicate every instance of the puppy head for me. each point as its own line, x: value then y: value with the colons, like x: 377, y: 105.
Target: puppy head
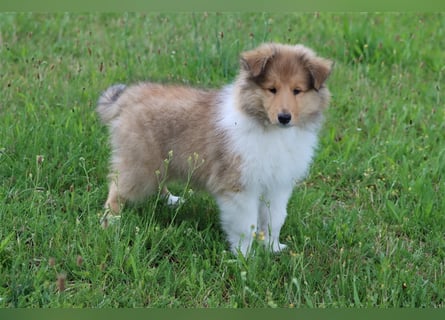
x: 284, y: 85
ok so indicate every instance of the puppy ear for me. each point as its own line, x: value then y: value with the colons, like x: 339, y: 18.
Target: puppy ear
x: 320, y: 70
x: 255, y: 61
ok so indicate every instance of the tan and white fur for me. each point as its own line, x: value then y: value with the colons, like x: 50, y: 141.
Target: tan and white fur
x: 254, y: 139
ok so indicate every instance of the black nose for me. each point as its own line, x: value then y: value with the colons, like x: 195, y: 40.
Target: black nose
x: 284, y: 117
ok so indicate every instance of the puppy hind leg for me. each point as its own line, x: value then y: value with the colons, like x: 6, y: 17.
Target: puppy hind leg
x: 129, y: 186
x: 171, y: 199
x: 112, y: 206
x: 114, y: 200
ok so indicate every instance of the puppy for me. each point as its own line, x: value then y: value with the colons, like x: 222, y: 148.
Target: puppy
x: 247, y: 144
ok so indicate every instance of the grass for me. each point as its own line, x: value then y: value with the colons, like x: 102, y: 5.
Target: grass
x: 365, y: 229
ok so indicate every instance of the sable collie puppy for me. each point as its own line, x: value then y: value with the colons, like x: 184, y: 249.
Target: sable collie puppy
x: 247, y: 144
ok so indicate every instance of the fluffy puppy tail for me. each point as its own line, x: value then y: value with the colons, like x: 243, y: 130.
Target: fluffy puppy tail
x: 107, y: 108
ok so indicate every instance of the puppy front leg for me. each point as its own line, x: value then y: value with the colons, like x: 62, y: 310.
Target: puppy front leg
x: 239, y: 215
x: 273, y: 212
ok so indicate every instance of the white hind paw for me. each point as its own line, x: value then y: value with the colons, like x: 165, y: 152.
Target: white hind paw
x: 174, y: 200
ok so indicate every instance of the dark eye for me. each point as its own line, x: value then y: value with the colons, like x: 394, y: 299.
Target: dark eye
x: 296, y: 91
x: 273, y: 90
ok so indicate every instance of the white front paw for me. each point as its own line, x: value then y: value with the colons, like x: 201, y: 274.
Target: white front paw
x: 277, y: 247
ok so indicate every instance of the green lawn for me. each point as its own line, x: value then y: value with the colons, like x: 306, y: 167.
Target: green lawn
x: 367, y: 228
